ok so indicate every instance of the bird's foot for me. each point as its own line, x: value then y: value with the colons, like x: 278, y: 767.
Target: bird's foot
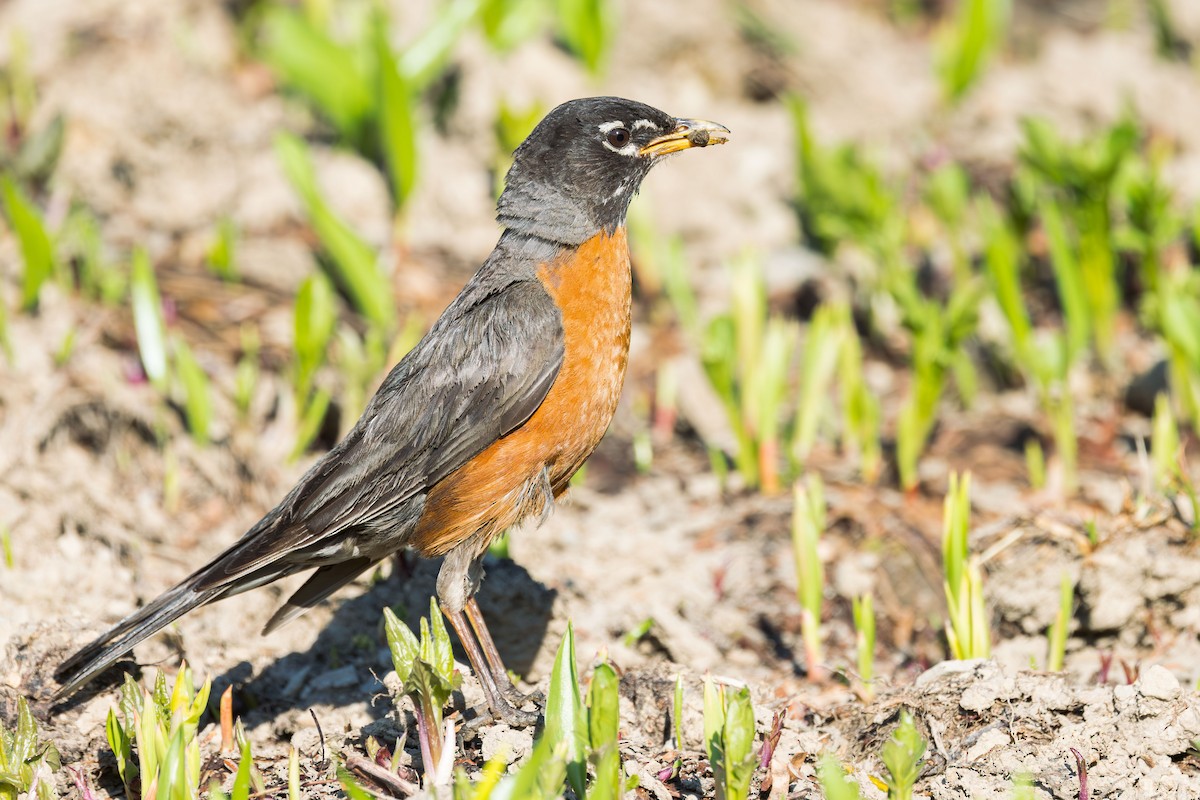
x: 509, y: 691
x: 505, y: 712
x: 518, y: 698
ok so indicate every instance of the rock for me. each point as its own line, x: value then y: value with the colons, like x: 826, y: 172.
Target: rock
x: 509, y: 744
x: 339, y: 678
x: 945, y: 669
x: 1159, y: 683
x: 986, y: 743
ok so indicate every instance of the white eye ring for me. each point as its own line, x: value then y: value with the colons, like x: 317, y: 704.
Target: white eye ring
x: 617, y: 138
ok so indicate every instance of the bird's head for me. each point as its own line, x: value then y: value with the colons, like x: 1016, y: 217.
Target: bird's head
x: 583, y: 163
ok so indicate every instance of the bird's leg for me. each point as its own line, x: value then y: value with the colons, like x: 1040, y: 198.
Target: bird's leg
x: 497, y: 704
x: 495, y: 663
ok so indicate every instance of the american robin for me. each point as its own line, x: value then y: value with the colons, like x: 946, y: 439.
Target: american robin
x: 485, y: 421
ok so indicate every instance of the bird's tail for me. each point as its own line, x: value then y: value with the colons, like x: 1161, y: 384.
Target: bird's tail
x: 138, y: 626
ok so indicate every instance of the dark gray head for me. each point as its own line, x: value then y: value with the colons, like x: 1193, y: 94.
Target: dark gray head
x: 576, y: 173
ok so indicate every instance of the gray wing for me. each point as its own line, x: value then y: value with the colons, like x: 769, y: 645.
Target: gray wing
x: 479, y: 374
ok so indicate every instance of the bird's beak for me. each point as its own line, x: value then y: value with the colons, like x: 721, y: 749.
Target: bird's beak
x: 687, y: 133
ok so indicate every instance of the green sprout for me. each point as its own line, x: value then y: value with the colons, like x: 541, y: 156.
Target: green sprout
x: 66, y: 347
x: 314, y: 318
x: 222, y: 253
x: 1164, y: 443
x: 746, y: 353
x: 938, y: 332
x: 507, y: 23
x: 248, y: 371
x: 540, y: 777
x: 27, y: 763
x: 82, y: 247
x: 1002, y: 264
x: 37, y: 248
x: 1152, y: 223
x: 161, y: 352
x: 354, y: 264
x: 246, y: 778
x: 864, y: 642
x: 1035, y: 463
x: 603, y: 722
x: 842, y: 196
x: 396, y: 99
x: 578, y: 735
x: 948, y: 194
x: 162, y: 727
x: 967, y: 628
x: 1174, y: 312
x: 969, y: 42
x: 1077, y: 186
x: 328, y: 74
x: 1022, y: 787
x: 587, y: 28
x: 729, y: 737
x: 1045, y: 359
x: 901, y: 755
x: 823, y: 347
x: 860, y: 408
x: 1057, y: 634
x: 427, y: 676
x: 197, y: 394
x: 148, y: 322
x: 312, y: 417
x: 567, y: 729
x: 369, y: 94
x: 835, y: 783
x: 6, y: 548
x: 808, y: 523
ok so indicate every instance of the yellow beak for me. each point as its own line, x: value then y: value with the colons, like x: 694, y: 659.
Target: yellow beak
x: 687, y: 133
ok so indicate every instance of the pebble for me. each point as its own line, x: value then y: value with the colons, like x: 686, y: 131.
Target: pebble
x: 1158, y: 683
x: 339, y: 678
x: 510, y: 744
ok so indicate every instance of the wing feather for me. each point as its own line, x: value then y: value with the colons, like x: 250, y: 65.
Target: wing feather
x: 479, y: 374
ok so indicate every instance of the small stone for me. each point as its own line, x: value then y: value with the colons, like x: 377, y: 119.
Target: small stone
x: 943, y: 669
x: 339, y: 678
x: 986, y: 743
x: 510, y: 744
x: 1158, y: 683
x: 978, y: 697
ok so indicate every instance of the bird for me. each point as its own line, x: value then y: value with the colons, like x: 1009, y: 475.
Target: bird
x: 482, y: 424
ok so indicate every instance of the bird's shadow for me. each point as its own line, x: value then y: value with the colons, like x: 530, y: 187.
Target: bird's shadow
x: 349, y: 658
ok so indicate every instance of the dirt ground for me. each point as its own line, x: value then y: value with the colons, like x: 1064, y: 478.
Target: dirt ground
x: 169, y: 131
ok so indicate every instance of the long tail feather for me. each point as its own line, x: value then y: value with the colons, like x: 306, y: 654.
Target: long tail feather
x: 138, y: 626
x: 324, y: 582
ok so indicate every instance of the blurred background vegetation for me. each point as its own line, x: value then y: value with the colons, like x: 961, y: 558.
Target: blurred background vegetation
x: 1043, y: 270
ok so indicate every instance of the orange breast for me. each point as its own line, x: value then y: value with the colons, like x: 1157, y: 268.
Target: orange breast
x: 501, y: 485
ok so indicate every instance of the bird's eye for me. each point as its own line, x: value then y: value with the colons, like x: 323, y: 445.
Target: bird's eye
x: 618, y: 137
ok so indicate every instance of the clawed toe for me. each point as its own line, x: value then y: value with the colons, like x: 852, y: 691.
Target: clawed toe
x: 518, y: 698
x: 504, y: 712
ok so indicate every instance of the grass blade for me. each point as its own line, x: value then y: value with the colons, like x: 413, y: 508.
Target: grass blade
x: 148, y: 321
x: 37, y: 249
x: 354, y: 263
x: 566, y: 723
x: 197, y: 395
x: 311, y: 63
x: 397, y: 126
